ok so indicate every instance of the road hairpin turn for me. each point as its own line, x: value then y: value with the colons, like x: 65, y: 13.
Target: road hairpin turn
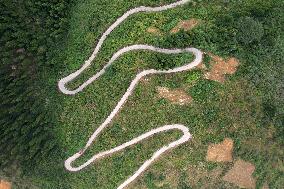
x: 186, y: 135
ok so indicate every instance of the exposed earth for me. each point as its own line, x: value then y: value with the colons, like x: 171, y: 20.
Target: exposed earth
x: 220, y: 67
x: 241, y: 174
x: 5, y: 185
x: 177, y: 96
x: 185, y: 25
x: 221, y: 152
x: 154, y: 30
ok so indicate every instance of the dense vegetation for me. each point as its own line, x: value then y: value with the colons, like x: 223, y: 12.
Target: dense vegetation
x: 248, y: 107
x: 27, y: 30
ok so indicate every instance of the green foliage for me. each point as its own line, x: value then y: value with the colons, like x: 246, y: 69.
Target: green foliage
x: 203, y: 90
x: 180, y: 39
x: 25, y: 130
x: 233, y: 109
x: 246, y: 107
x: 249, y: 30
x: 149, y: 179
x: 32, y: 25
x: 206, y: 60
x: 182, y: 184
x: 194, y: 76
x: 28, y: 30
x: 165, y: 62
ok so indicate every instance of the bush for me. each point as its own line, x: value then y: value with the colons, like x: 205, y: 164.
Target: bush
x: 249, y: 30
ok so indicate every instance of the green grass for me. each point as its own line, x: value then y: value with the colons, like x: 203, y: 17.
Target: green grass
x: 236, y: 109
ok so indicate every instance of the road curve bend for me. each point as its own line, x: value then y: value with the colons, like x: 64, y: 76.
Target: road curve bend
x: 186, y: 134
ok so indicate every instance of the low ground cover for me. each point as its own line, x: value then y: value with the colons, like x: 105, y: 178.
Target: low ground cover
x: 247, y: 106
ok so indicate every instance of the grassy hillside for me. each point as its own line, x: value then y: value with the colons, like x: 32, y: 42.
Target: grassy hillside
x: 248, y: 107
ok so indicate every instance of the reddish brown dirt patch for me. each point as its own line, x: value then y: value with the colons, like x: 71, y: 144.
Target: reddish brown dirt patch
x: 241, y: 174
x: 186, y: 25
x: 221, y: 67
x: 221, y: 152
x: 5, y: 185
x: 154, y: 30
x: 175, y: 96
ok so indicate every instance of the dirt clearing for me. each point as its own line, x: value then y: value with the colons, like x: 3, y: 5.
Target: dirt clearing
x: 185, y: 25
x: 5, y: 185
x: 221, y: 152
x: 177, y: 96
x: 221, y: 67
x: 241, y: 174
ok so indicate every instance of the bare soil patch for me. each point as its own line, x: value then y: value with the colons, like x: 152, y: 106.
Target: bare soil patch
x: 185, y: 25
x: 154, y: 30
x: 241, y: 175
x: 177, y: 96
x: 221, y: 67
x: 221, y: 152
x: 5, y: 185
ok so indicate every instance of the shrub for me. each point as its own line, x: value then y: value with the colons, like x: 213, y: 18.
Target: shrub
x: 249, y: 31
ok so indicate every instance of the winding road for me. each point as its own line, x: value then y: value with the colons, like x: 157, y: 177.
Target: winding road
x: 186, y: 134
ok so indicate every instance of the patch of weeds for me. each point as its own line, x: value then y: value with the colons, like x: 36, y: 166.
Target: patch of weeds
x: 181, y: 40
x: 210, y: 114
x: 211, y: 165
x: 194, y: 76
x: 206, y: 60
x: 150, y: 179
x: 279, y: 122
x: 162, y: 101
x: 170, y: 25
x: 165, y: 62
x: 204, y: 90
x: 183, y: 183
x: 94, y: 22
